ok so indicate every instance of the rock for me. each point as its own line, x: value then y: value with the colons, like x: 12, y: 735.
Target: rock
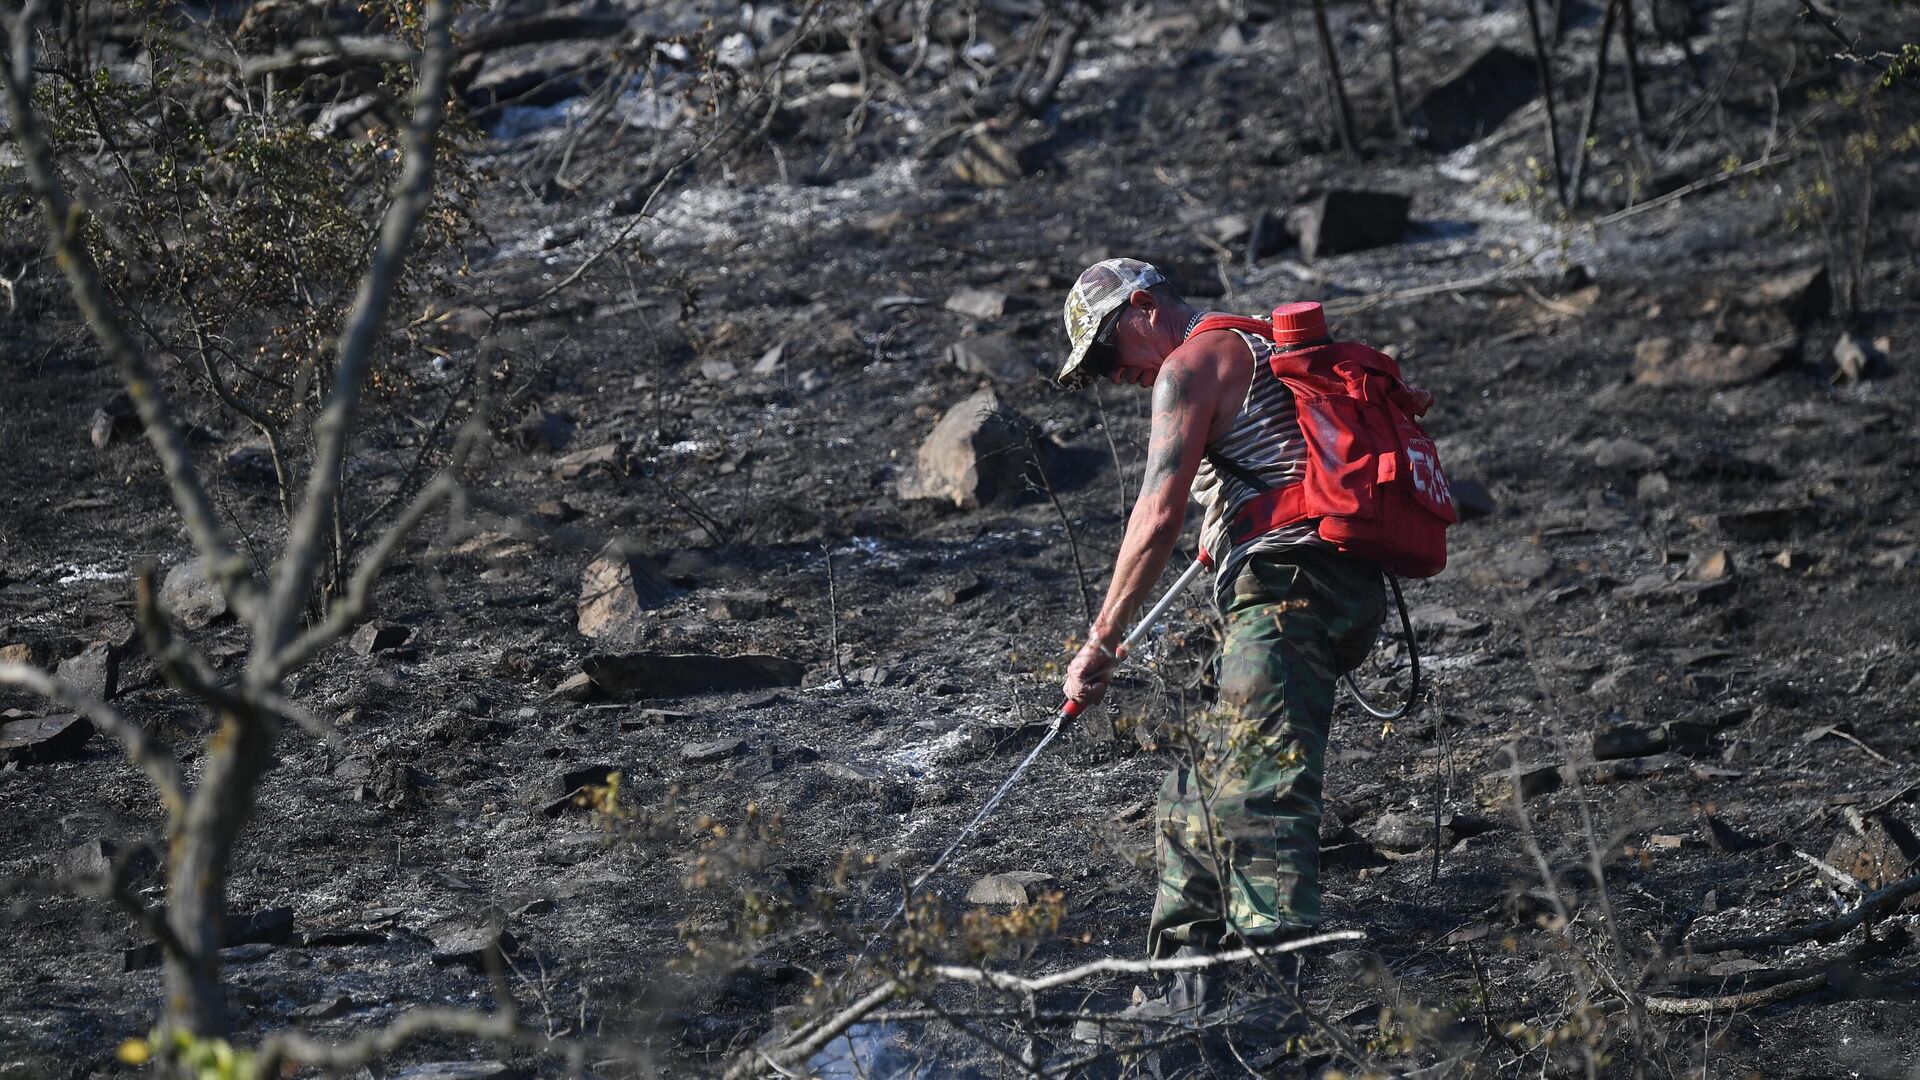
x: 719, y: 371
x: 577, y: 688
x: 1495, y: 790
x: 1471, y: 500
x: 44, y: 739
x: 567, y: 789
x: 1519, y: 564
x: 985, y: 161
x: 335, y: 1006
x: 614, y: 590
x: 992, y: 355
x: 267, y: 926
x: 455, y: 1070
x: 1342, y: 221
x: 1623, y: 454
x: 1469, y: 103
x: 580, y: 462
x: 1012, y: 887
x: 1230, y: 229
x: 1763, y: 523
x: 980, y: 304
x: 1235, y: 38
x: 1627, y: 741
x: 629, y: 676
x: 980, y: 453
x: 811, y: 381
x: 1692, y: 736
x: 187, y: 595
x: 113, y: 422
x: 712, y: 750
x: 95, y: 671
x: 1793, y: 560
x: 246, y: 954
x: 542, y: 428
x: 471, y: 945
x: 1662, y: 361
x: 1654, y: 488
x: 572, y: 779
x: 1900, y: 558
x: 962, y: 589
x: 771, y: 361
x: 1801, y: 296
x: 556, y: 511
x: 1710, y: 566
x: 741, y: 606
x: 251, y: 464
x: 1458, y: 827
x: 643, y: 719
x: 379, y: 637
x: 1440, y: 619
x: 397, y: 782
x: 1400, y: 832
x: 1333, y: 828
x: 1853, y: 358
x: 1655, y: 586
x: 95, y: 859
x: 31, y: 653
x: 1877, y: 850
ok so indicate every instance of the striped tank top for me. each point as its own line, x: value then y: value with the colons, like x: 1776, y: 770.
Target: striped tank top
x: 1265, y: 440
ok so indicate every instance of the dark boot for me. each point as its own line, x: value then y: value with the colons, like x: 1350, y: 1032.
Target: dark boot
x: 1262, y: 1014
x: 1195, y: 994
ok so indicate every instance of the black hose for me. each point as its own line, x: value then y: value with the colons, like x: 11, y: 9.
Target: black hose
x: 1413, y: 659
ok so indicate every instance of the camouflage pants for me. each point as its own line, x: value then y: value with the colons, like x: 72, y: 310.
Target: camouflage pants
x: 1239, y: 842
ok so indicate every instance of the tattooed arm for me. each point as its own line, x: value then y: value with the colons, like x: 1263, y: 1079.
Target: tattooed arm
x: 1190, y: 402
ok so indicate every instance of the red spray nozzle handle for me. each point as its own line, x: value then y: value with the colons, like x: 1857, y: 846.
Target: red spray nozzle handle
x: 1070, y: 710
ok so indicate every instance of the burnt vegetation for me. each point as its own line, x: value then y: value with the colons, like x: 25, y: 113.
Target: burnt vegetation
x: 529, y: 528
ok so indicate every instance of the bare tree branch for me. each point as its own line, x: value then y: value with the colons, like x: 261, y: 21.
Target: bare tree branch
x: 286, y: 1047
x: 782, y: 1060
x: 1871, y: 906
x: 323, y: 52
x: 350, y: 608
x: 816, y: 1040
x: 412, y: 193
x: 1752, y: 999
x: 160, y: 765
x: 1111, y: 966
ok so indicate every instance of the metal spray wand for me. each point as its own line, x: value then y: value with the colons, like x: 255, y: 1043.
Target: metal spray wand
x: 1067, y: 712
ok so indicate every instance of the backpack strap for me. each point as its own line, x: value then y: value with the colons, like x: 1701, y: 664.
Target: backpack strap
x: 1224, y: 464
x: 1232, y: 322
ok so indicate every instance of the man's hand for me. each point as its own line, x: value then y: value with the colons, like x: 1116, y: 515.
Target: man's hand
x: 1087, y: 677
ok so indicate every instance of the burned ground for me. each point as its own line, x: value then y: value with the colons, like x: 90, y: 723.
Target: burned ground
x: 1683, y: 628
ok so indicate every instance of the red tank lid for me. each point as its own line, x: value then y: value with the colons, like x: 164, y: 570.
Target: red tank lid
x: 1296, y: 323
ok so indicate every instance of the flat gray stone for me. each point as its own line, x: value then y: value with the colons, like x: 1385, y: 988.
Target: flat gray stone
x: 1012, y: 887
x: 44, y: 739
x: 629, y: 676
x: 712, y: 750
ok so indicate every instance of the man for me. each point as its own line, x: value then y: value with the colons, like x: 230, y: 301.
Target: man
x: 1238, y: 845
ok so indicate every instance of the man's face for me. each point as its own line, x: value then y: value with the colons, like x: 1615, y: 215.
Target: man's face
x: 1134, y: 344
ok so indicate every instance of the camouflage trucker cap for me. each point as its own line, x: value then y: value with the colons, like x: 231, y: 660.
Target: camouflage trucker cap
x: 1101, y: 290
